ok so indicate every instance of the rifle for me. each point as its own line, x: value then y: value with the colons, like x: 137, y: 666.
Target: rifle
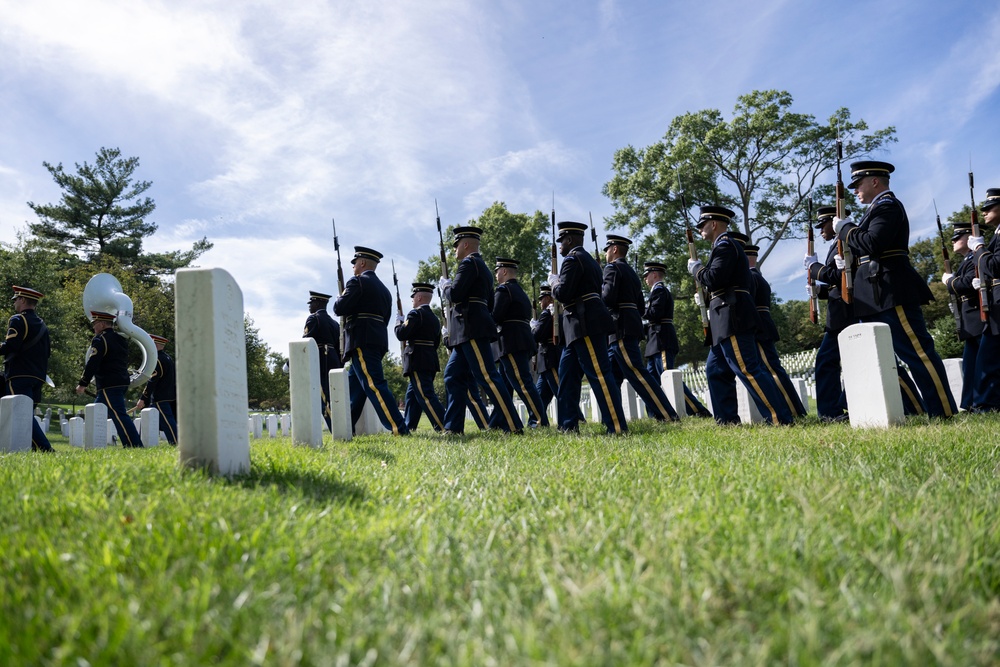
x: 555, y: 271
x: 399, y: 306
x: 810, y: 249
x: 593, y: 235
x: 846, y: 277
x: 984, y: 304
x: 340, y: 285
x: 534, y: 299
x: 953, y: 298
x: 444, y: 262
x: 693, y: 254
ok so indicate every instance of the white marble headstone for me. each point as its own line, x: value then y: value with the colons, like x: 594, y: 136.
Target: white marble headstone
x: 304, y: 391
x: 76, y: 431
x: 368, y: 423
x: 95, y: 426
x: 953, y: 367
x: 211, y: 372
x: 150, y: 430
x: 746, y: 407
x: 272, y: 426
x: 15, y: 423
x: 672, y: 382
x: 340, y: 405
x: 870, y: 377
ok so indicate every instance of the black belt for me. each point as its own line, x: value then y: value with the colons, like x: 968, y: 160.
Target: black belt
x: 421, y: 342
x: 481, y: 302
x: 628, y: 305
x: 864, y: 259
x: 764, y: 309
x: 723, y: 291
x: 588, y: 297
x: 364, y: 316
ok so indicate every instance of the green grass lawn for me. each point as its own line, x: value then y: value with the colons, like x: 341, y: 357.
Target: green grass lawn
x: 680, y: 544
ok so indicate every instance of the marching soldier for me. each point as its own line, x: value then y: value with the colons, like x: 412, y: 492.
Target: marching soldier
x: 547, y: 358
x: 471, y: 329
x: 587, y: 324
x: 734, y: 321
x: 886, y: 287
x: 768, y: 336
x: 661, y: 335
x: 107, y: 365
x: 26, y: 351
x: 160, y: 391
x: 366, y: 306
x: 831, y: 401
x: 512, y: 313
x: 986, y: 394
x: 421, y: 332
x: 326, y: 332
x: 970, y: 326
x: 621, y: 291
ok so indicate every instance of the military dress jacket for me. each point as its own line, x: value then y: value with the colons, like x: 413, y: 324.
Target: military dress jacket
x: 548, y: 352
x: 970, y: 325
x: 471, y: 298
x: 326, y: 332
x: 883, y: 275
x: 579, y: 290
x: 421, y: 334
x: 661, y: 334
x: 839, y: 315
x: 761, y: 290
x: 621, y: 291
x: 987, y: 259
x: 108, y: 362
x: 26, y: 348
x: 726, y: 276
x: 366, y: 307
x: 162, y: 385
x: 512, y: 313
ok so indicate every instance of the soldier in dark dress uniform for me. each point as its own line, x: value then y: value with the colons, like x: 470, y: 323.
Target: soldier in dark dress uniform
x: 107, y: 365
x: 831, y: 401
x: 586, y: 323
x: 326, y: 332
x: 970, y: 325
x: 471, y: 330
x: 886, y: 287
x: 986, y: 393
x: 512, y: 313
x: 547, y: 357
x: 662, y: 345
x: 366, y: 307
x: 734, y: 322
x: 421, y: 335
x: 621, y: 291
x: 768, y: 336
x: 25, y: 351
x: 160, y: 391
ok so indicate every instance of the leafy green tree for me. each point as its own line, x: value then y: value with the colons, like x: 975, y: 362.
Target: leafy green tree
x: 103, y: 213
x: 764, y: 163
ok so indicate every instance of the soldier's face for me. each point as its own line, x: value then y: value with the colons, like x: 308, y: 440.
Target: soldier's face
x: 961, y: 245
x: 19, y: 304
x: 566, y: 243
x: 992, y: 216
x: 867, y: 188
x: 826, y: 231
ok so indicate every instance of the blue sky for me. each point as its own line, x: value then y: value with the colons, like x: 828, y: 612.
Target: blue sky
x: 258, y: 121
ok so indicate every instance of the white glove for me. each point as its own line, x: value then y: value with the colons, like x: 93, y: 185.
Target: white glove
x: 809, y: 292
x: 533, y: 323
x: 553, y: 280
x: 444, y: 283
x: 444, y: 332
x: 839, y: 223
x: 399, y: 320
x: 694, y: 266
x: 975, y: 242
x: 945, y: 277
x: 976, y: 283
x: 951, y: 307
x: 839, y: 262
x: 551, y: 308
x: 698, y: 298
x: 809, y: 261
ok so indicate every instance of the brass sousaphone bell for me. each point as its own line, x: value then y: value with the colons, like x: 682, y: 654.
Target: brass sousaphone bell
x: 103, y: 293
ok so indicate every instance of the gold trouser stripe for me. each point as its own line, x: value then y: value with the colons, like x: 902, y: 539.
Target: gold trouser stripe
x: 493, y: 388
x: 381, y: 399
x: 555, y: 374
x: 663, y: 361
x: 777, y: 379
x: 690, y: 403
x: 325, y: 402
x: 938, y: 385
x: 475, y: 406
x: 119, y: 426
x: 641, y: 377
x: 537, y: 409
x: 427, y: 404
x: 615, y: 419
x: 166, y: 423
x: 905, y: 388
x: 752, y: 379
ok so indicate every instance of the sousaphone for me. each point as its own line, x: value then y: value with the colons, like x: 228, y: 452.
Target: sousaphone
x: 103, y: 293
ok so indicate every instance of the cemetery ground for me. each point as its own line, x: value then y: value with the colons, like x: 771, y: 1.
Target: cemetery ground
x: 679, y: 544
